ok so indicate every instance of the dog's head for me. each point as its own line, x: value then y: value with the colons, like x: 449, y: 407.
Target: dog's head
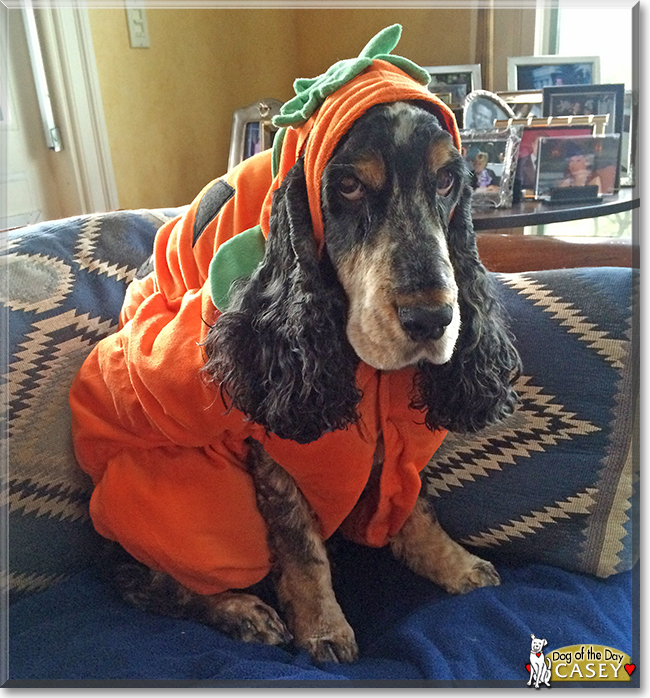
x: 537, y: 644
x: 398, y: 284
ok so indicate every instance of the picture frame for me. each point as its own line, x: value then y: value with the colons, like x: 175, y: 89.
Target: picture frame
x: 524, y: 103
x: 252, y: 130
x: 578, y: 162
x: 527, y: 157
x: 597, y: 121
x: 482, y: 108
x: 495, y: 151
x: 587, y: 99
x: 537, y: 72
x: 457, y: 80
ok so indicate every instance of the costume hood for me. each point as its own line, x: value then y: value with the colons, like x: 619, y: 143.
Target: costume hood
x: 312, y: 124
x: 325, y: 108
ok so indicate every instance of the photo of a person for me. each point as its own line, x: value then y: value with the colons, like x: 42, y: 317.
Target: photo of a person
x: 577, y: 162
x: 482, y: 108
x: 580, y: 169
x: 485, y: 160
x: 491, y: 157
x: 587, y: 100
x: 527, y: 166
x: 484, y: 177
x: 527, y: 161
x: 534, y: 77
x: 481, y: 115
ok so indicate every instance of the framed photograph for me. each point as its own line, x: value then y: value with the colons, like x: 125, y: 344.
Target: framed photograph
x: 536, y: 72
x: 524, y: 103
x: 492, y: 158
x: 457, y: 80
x: 482, y: 108
x: 528, y: 156
x: 252, y: 130
x: 587, y: 99
x: 578, y: 162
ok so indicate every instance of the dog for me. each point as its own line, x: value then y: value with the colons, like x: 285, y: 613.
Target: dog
x: 540, y: 671
x: 398, y: 288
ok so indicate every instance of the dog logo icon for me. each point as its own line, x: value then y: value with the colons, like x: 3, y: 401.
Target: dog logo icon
x: 540, y: 671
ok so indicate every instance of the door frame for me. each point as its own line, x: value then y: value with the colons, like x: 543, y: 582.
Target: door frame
x: 74, y: 83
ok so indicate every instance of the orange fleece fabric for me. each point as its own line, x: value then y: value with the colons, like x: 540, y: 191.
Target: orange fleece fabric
x: 167, y: 460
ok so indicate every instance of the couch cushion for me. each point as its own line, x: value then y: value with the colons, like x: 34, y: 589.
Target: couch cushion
x: 554, y: 484
x: 66, y: 283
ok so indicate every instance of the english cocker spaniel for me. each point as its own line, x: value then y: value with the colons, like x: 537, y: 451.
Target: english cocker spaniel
x: 400, y: 285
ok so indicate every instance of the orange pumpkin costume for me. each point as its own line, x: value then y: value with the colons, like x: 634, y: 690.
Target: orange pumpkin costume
x: 166, y: 458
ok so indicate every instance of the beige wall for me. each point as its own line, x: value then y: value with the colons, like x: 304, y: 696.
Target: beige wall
x: 169, y: 107
x: 429, y: 37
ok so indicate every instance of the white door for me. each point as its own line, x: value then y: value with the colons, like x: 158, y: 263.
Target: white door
x: 39, y: 183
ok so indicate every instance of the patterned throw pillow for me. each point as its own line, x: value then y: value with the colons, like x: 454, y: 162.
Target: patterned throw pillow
x: 554, y: 484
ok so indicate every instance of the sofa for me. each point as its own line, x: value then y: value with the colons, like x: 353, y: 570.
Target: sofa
x: 550, y: 496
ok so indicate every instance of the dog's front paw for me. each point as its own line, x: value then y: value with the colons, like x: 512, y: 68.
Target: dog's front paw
x: 247, y: 618
x: 479, y: 573
x: 331, y: 643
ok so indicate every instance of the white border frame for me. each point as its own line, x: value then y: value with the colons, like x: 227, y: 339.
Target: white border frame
x: 515, y: 61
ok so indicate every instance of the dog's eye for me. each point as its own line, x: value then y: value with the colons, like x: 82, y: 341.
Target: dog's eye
x: 351, y: 188
x: 444, y: 182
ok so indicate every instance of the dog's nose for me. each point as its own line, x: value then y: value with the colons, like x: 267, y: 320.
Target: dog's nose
x: 425, y: 323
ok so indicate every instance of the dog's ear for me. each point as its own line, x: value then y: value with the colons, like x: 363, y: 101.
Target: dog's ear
x: 280, y: 353
x: 474, y: 389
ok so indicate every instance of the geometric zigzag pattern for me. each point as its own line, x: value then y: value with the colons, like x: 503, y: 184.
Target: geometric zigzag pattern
x: 533, y: 487
x: 66, y: 282
x: 538, y: 424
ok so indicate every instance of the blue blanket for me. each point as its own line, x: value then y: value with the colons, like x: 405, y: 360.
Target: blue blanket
x: 409, y: 632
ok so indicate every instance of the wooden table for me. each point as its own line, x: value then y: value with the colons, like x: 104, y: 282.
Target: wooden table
x: 517, y: 252
x: 541, y: 213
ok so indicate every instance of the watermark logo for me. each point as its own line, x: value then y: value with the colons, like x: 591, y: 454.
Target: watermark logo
x: 591, y: 663
x: 539, y: 667
x: 576, y: 663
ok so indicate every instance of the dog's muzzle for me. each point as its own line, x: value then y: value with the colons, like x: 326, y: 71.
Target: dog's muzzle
x: 423, y: 324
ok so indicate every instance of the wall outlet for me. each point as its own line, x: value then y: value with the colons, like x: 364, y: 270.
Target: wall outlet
x: 137, y: 21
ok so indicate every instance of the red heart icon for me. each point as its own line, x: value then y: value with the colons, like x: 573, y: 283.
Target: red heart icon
x: 528, y: 668
x: 630, y: 668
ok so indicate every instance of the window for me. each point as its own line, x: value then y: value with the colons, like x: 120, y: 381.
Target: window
x: 570, y: 28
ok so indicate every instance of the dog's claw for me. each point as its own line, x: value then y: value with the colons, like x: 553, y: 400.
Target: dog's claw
x: 328, y: 640
x: 342, y: 649
x: 482, y: 574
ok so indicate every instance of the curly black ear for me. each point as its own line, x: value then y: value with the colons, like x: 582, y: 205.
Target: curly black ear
x: 279, y: 352
x: 474, y: 389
